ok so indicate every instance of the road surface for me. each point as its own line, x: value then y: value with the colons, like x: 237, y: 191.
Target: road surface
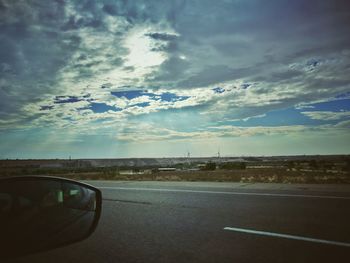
x: 214, y: 222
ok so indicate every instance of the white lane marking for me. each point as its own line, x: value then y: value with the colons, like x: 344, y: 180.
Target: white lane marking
x: 309, y: 239
x: 223, y: 192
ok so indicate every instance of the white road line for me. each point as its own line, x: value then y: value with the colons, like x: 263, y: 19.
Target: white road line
x: 223, y: 192
x: 264, y: 233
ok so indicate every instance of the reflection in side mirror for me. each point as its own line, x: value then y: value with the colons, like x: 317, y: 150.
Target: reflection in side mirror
x: 41, y: 213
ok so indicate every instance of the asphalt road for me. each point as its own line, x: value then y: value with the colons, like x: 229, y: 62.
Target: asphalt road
x: 214, y: 222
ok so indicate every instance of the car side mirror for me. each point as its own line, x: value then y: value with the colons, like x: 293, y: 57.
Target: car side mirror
x: 40, y: 213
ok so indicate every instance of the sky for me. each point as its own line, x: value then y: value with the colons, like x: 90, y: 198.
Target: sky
x: 147, y: 78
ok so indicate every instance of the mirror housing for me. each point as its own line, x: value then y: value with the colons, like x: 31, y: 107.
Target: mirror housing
x: 38, y: 213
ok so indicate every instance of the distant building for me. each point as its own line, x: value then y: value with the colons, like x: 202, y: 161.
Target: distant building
x: 132, y: 172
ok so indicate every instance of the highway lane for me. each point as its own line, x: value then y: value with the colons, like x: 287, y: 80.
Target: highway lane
x: 185, y: 222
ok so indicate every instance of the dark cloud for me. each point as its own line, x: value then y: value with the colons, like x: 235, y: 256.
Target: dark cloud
x: 10, y: 58
x: 32, y: 51
x: 231, y: 48
x: 47, y: 107
x: 162, y: 36
x: 210, y: 75
x: 106, y: 86
x: 216, y: 74
x: 173, y: 69
x: 286, y: 75
x: 76, y: 23
x: 110, y: 9
x: 117, y: 61
x: 129, y: 68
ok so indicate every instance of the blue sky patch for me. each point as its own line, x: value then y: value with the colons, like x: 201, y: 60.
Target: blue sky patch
x: 170, y: 97
x: 293, y: 116
x: 245, y: 85
x: 284, y: 117
x: 333, y: 105
x: 219, y: 90
x: 343, y: 95
x: 142, y: 104
x: 313, y: 62
x: 132, y: 94
x: 102, y: 107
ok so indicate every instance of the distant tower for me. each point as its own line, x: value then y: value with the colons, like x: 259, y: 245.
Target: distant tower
x: 188, y: 158
x: 219, y: 153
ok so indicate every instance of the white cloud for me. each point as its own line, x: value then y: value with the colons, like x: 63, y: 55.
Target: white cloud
x: 327, y: 115
x: 343, y: 124
x: 138, y: 132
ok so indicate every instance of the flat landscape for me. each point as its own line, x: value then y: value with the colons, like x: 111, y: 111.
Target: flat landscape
x: 214, y: 222
x: 326, y: 169
x: 237, y: 209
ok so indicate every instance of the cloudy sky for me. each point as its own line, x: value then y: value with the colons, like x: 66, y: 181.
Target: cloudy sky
x: 147, y: 78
